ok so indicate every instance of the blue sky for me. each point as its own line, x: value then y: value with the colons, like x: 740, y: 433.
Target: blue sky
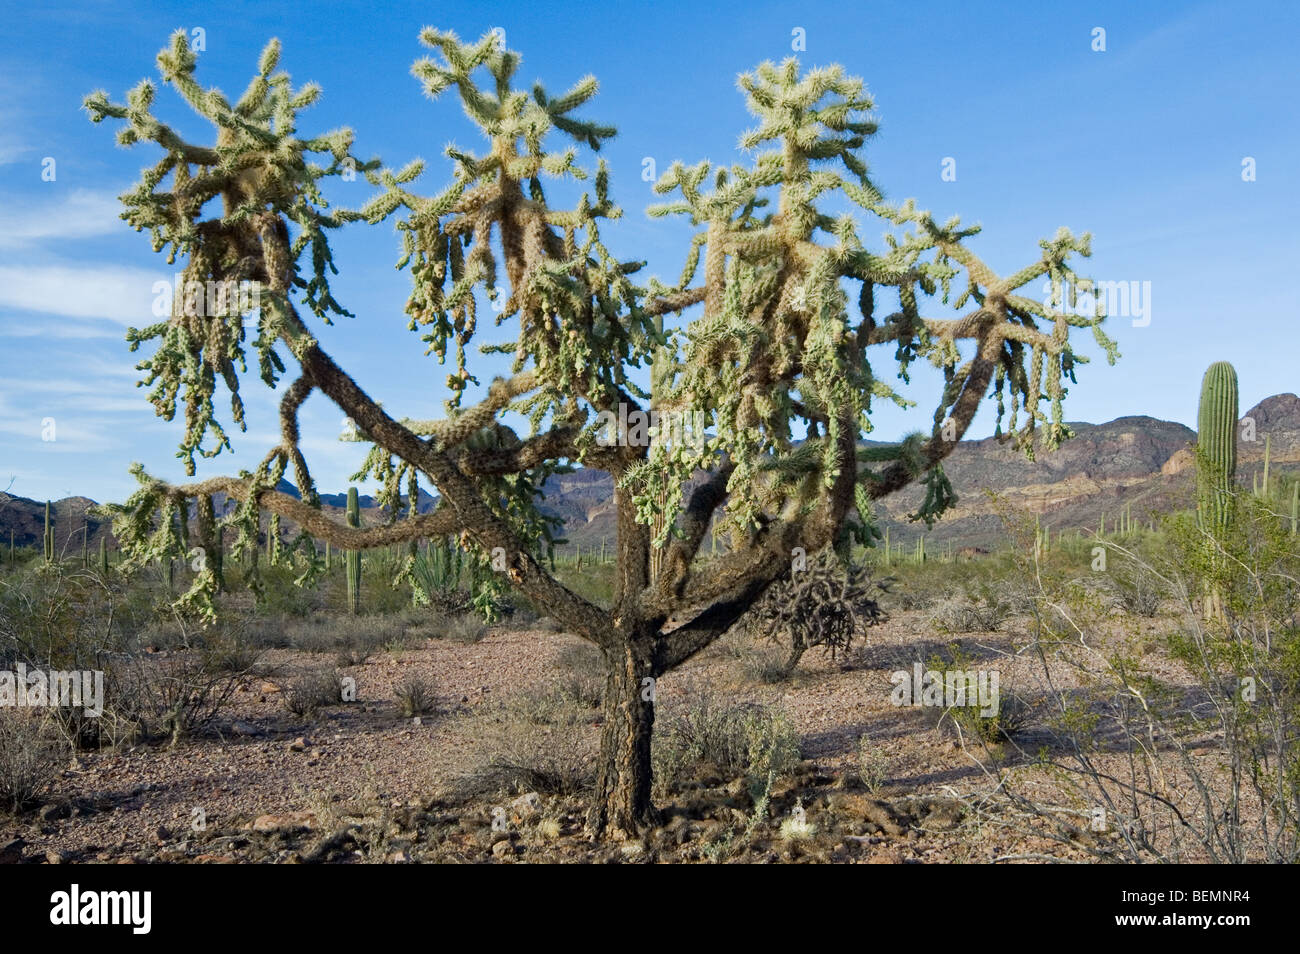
x: 1141, y: 144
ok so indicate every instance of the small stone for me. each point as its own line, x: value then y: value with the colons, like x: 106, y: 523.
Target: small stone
x: 290, y: 821
x: 163, y: 834
x: 526, y: 806
x: 298, y: 745
x: 503, y: 849
x: 11, y: 852
x: 55, y: 811
x: 401, y: 857
x: 55, y: 857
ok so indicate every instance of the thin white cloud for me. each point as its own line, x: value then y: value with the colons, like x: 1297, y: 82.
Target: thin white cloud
x: 78, y: 214
x: 123, y: 295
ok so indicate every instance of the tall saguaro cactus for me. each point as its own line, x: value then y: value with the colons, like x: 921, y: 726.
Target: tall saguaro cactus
x: 1216, y: 440
x: 354, y: 556
x: 49, y: 535
x: 1216, y: 460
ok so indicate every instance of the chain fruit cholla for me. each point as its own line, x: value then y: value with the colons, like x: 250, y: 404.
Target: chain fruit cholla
x: 766, y: 345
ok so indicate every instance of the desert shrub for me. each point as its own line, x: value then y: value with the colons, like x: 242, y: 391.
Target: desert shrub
x: 582, y: 675
x: 964, y: 614
x: 873, y: 765
x: 465, y: 628
x: 312, y: 690
x: 61, y: 616
x: 31, y: 755
x: 173, y: 694
x: 414, y: 696
x: 1222, y: 782
x: 765, y: 665
x: 538, y: 743
x: 758, y: 743
x: 278, y: 595
x: 1136, y: 589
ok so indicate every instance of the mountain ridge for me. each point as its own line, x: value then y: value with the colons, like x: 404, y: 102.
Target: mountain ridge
x: 1135, y: 461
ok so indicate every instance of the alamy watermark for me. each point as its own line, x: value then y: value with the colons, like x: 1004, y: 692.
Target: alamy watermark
x: 948, y: 688
x: 57, y: 688
x: 208, y: 299
x: 1087, y: 299
x: 633, y: 427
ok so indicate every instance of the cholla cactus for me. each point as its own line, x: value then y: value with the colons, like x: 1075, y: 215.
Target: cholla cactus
x: 824, y: 604
x: 773, y: 355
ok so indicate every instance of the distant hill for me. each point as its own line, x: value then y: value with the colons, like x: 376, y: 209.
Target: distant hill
x: 1137, y: 461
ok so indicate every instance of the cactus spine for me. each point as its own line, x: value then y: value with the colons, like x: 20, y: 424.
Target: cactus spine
x: 354, y: 556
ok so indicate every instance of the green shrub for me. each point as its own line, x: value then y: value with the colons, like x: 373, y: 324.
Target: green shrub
x: 757, y: 743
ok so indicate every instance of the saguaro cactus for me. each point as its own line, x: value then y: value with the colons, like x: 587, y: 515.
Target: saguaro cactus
x: 1216, y: 440
x: 103, y: 554
x: 49, y: 535
x: 1216, y: 460
x: 354, y: 556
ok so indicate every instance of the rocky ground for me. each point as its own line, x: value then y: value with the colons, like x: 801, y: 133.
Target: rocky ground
x: 359, y: 782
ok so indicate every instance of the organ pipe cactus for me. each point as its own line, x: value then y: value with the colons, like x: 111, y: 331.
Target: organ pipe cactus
x: 354, y: 556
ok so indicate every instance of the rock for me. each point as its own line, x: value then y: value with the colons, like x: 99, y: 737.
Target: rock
x: 55, y: 857
x: 245, y: 729
x: 288, y: 822
x: 298, y: 745
x: 11, y: 852
x: 162, y: 834
x: 270, y: 687
x: 503, y: 849
x: 401, y: 857
x: 526, y: 806
x: 56, y: 811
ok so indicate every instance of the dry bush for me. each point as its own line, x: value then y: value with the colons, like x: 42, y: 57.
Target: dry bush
x: 174, y: 694
x: 757, y: 743
x: 415, y: 696
x: 583, y: 674
x: 32, y: 753
x: 465, y: 628
x: 312, y: 690
x: 533, y: 743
